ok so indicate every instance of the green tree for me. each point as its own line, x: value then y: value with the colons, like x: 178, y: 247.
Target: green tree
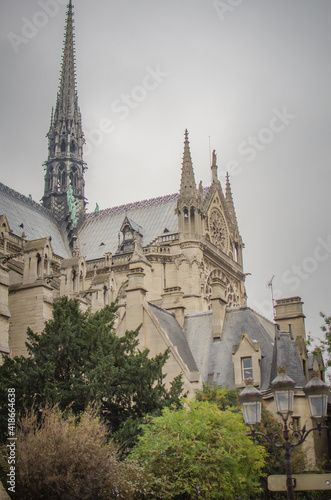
x: 224, y: 398
x: 274, y: 460
x: 199, y: 443
x: 325, y: 344
x: 228, y: 398
x: 78, y: 359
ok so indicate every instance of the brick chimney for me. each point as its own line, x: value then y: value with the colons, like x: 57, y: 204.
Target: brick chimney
x: 289, y: 312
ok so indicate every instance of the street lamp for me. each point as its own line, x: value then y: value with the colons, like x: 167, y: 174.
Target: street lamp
x: 282, y: 388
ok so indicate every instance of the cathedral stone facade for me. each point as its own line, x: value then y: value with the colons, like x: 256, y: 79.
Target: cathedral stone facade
x: 174, y: 264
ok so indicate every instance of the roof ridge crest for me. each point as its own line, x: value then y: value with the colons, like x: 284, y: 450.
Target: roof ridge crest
x: 136, y: 204
x: 24, y: 198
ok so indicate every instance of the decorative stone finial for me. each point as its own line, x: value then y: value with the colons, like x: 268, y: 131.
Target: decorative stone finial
x: 214, y: 168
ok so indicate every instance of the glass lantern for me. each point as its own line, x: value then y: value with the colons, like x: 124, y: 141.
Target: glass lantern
x: 283, y: 389
x: 250, y: 399
x: 317, y: 393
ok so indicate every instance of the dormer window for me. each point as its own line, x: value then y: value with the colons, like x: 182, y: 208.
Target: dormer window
x: 128, y: 229
x: 246, y: 358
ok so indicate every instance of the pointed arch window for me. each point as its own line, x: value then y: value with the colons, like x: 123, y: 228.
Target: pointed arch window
x: 52, y: 145
x: 63, y: 146
x: 105, y: 296
x: 39, y: 266
x: 73, y: 146
x: 61, y: 180
x: 74, y: 280
x: 74, y: 177
x: 50, y: 178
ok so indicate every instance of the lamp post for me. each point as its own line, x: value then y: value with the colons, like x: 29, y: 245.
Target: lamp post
x: 287, y: 437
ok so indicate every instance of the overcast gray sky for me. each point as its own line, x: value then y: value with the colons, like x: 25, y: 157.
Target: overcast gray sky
x: 253, y: 75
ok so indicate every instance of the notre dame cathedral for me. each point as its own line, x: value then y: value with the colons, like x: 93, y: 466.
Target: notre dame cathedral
x: 173, y: 264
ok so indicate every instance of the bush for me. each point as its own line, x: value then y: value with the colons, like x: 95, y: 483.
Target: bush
x: 200, y: 444
x: 61, y: 456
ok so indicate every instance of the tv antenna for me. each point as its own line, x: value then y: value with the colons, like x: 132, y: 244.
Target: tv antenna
x: 272, y: 295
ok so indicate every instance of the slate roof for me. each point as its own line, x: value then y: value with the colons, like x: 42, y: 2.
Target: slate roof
x: 99, y: 232
x: 286, y: 354
x: 37, y: 221
x: 176, y: 335
x: 214, y: 356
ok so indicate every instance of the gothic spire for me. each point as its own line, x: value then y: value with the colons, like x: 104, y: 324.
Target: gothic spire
x: 66, y: 103
x: 228, y: 193
x: 66, y: 134
x: 229, y: 201
x: 187, y: 184
x: 65, y: 166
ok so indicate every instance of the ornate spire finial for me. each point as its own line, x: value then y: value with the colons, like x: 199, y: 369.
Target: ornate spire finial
x: 214, y: 168
x: 66, y: 104
x: 228, y: 193
x: 187, y: 185
x: 214, y: 158
x: 52, y: 115
x: 230, y: 203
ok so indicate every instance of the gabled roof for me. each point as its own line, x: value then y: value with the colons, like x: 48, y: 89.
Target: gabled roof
x: 255, y: 346
x: 26, y: 216
x: 135, y: 227
x: 36, y: 244
x: 214, y: 356
x: 176, y: 335
x: 99, y: 232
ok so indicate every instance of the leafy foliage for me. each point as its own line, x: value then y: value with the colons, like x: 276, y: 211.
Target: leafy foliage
x: 325, y: 345
x: 202, y: 444
x: 78, y: 359
x: 274, y: 459
x: 62, y: 457
x: 228, y: 398
x: 224, y: 398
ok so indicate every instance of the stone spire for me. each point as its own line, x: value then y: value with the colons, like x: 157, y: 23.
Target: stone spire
x: 65, y: 166
x: 187, y: 185
x: 66, y: 103
x: 189, y: 201
x: 229, y: 202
